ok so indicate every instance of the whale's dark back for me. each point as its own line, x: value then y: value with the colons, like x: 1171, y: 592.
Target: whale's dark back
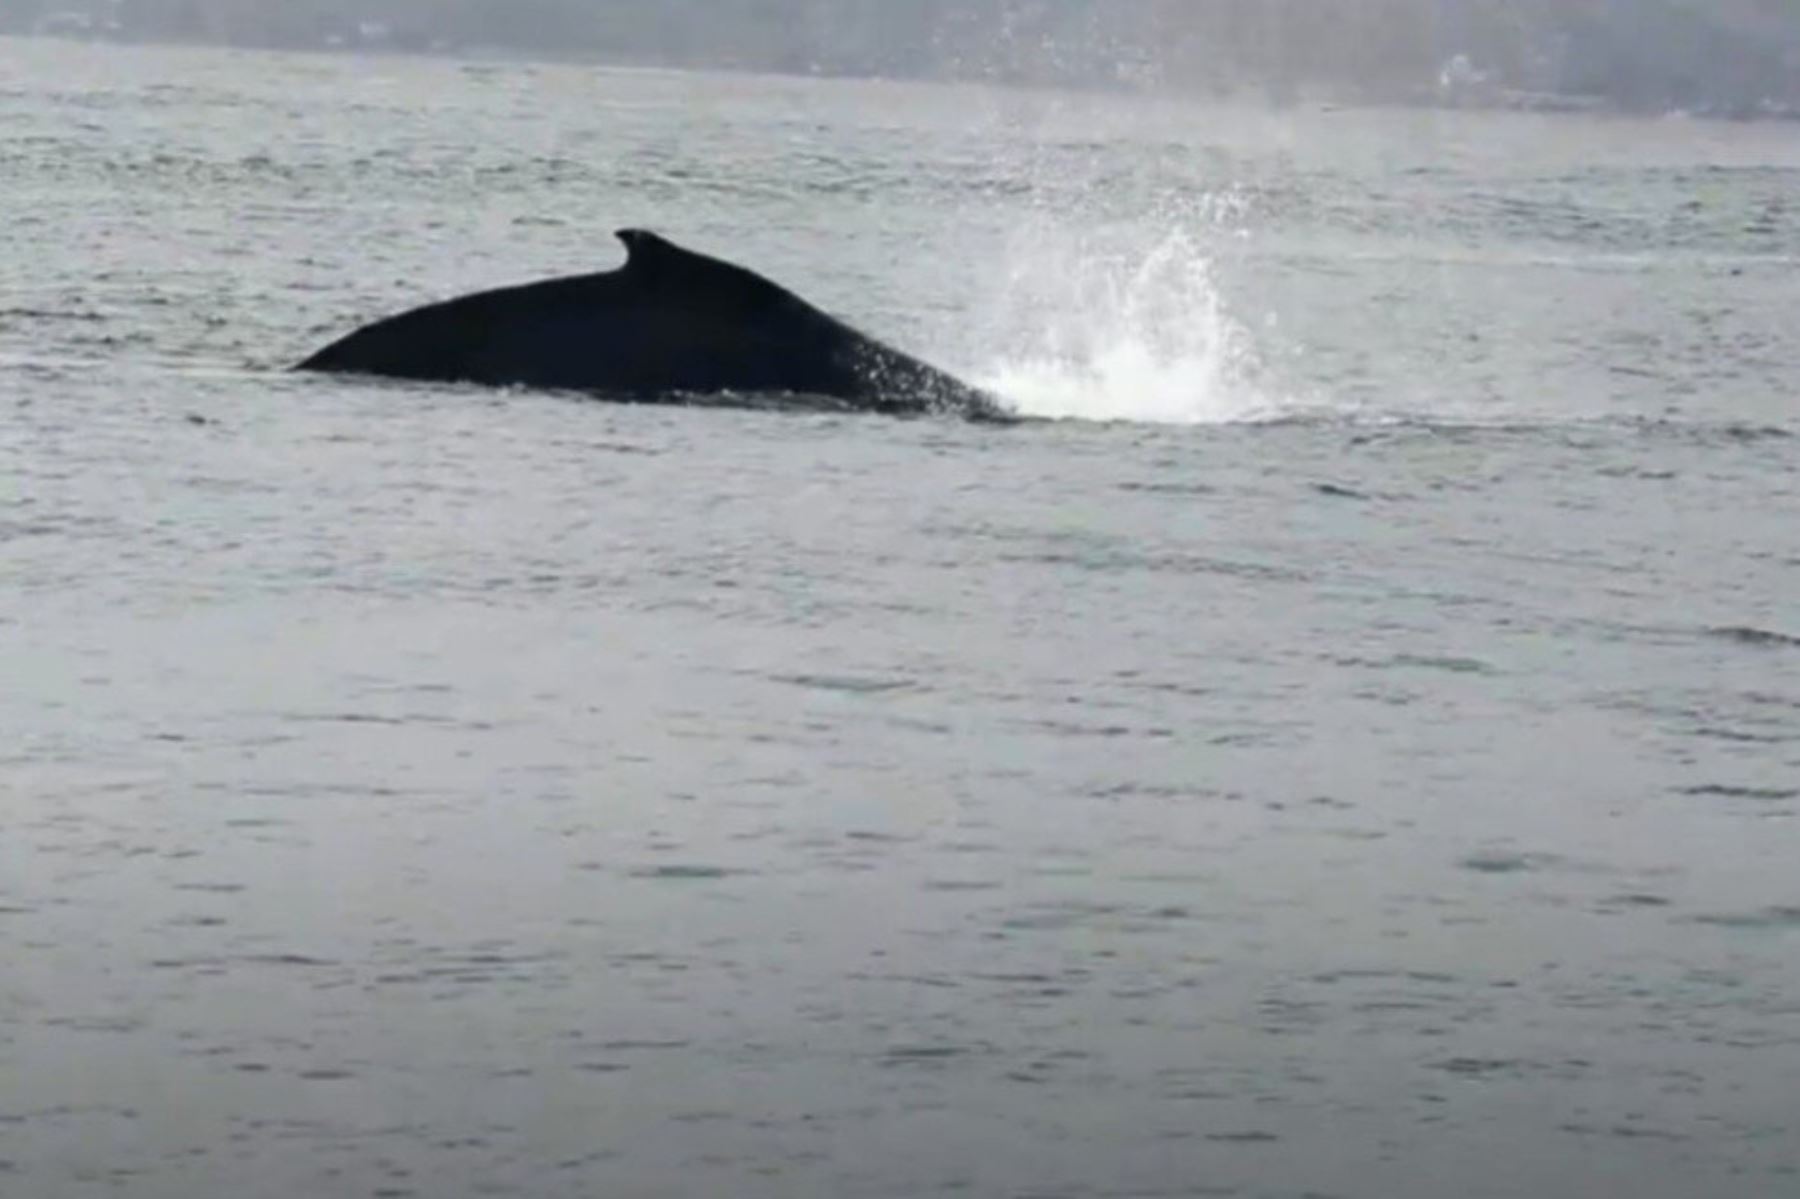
x: 668, y: 323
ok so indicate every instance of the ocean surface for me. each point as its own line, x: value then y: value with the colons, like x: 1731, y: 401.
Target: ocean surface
x: 1352, y: 750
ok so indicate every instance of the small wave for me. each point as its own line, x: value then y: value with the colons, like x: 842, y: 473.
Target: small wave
x: 1375, y: 424
x: 1500, y: 861
x: 50, y: 314
x: 1726, y: 431
x: 1728, y: 791
x: 687, y: 872
x: 850, y: 684
x: 1779, y: 917
x: 1761, y: 638
x: 1444, y: 662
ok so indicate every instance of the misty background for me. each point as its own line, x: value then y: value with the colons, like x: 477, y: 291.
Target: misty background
x: 1734, y: 58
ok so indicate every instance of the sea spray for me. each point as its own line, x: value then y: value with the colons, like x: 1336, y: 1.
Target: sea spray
x: 1123, y: 324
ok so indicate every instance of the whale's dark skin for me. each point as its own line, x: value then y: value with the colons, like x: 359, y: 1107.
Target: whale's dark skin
x: 670, y: 325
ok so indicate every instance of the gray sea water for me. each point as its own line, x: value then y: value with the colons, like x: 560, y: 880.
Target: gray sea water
x: 1353, y: 751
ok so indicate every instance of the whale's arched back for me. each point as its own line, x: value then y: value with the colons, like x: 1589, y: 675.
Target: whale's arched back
x: 669, y: 323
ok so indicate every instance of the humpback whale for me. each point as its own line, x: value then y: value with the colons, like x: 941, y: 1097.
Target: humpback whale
x: 669, y: 325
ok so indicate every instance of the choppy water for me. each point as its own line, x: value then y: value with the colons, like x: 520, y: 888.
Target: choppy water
x: 1358, y: 756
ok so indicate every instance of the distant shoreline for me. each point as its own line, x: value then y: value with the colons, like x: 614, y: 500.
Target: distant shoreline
x: 1492, y: 100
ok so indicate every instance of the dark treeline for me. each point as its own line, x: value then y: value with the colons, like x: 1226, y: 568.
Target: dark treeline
x: 1731, y: 56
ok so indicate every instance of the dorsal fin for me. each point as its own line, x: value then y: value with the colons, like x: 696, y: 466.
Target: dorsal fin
x: 643, y: 247
x: 647, y: 252
x: 656, y: 261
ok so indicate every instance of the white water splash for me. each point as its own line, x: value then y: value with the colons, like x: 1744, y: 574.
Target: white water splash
x: 1128, y: 332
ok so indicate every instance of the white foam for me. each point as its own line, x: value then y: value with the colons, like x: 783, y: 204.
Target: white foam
x: 1121, y: 327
